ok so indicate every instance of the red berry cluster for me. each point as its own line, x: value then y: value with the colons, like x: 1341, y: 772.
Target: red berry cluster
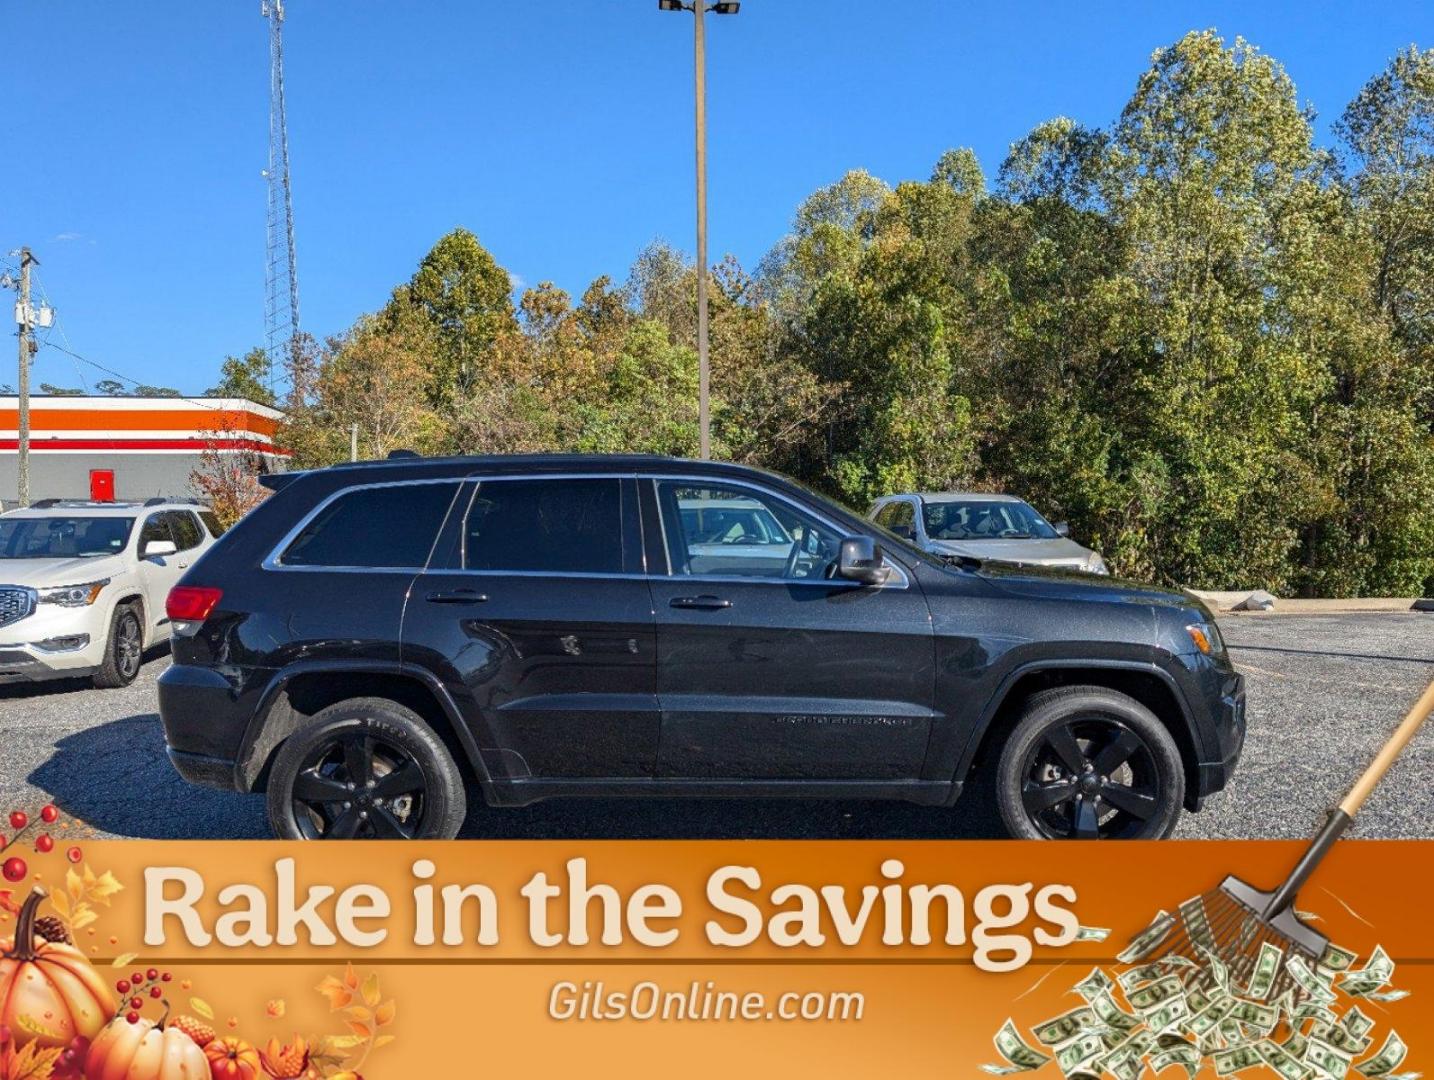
x: 139, y: 986
x: 72, y: 1059
x: 15, y: 868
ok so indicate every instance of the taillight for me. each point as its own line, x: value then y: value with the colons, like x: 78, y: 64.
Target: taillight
x: 191, y: 603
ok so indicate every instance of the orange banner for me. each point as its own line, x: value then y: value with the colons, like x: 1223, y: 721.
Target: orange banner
x: 847, y: 958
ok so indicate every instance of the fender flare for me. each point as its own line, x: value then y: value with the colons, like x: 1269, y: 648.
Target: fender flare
x: 1141, y: 667
x: 247, y: 769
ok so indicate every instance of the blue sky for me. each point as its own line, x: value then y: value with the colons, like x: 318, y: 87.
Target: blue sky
x: 559, y: 131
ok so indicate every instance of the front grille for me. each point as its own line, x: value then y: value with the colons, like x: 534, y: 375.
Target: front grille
x: 15, y: 604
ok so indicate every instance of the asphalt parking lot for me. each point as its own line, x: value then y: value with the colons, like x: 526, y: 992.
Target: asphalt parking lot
x: 1324, y: 691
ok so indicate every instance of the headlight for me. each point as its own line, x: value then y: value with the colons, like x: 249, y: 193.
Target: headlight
x: 1096, y: 565
x: 1206, y: 637
x: 72, y: 595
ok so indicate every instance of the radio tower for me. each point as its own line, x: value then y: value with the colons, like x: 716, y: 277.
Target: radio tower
x: 281, y: 303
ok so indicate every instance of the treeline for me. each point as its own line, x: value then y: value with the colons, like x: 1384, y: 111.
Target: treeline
x: 1200, y: 337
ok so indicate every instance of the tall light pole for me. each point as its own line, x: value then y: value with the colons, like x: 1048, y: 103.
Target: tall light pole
x: 699, y: 8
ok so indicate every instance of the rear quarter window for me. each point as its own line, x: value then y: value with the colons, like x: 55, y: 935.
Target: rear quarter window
x: 391, y: 526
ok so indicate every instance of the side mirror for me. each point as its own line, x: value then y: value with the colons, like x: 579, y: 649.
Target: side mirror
x: 860, y: 560
x: 1063, y: 528
x: 158, y: 547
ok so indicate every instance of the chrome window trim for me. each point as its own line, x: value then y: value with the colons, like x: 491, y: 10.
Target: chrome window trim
x: 274, y: 560
x: 801, y: 508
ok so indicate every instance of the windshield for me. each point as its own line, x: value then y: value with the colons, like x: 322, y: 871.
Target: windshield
x: 984, y: 520
x: 63, y: 537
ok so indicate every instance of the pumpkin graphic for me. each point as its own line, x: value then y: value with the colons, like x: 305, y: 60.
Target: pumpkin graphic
x: 49, y: 994
x: 231, y: 1058
x: 145, y: 1050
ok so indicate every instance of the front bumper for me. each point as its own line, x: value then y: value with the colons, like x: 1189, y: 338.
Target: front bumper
x: 1229, y: 724
x: 51, y: 643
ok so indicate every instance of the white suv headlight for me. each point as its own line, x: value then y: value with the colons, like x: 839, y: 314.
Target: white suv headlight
x: 72, y: 595
x: 1096, y: 565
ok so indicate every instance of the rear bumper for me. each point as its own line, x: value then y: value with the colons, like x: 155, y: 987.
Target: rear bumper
x: 204, y: 724
x: 199, y: 769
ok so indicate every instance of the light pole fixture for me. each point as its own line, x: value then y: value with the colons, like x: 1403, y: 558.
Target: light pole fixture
x: 699, y: 8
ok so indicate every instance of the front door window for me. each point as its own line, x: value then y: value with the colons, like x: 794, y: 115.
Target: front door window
x: 715, y: 530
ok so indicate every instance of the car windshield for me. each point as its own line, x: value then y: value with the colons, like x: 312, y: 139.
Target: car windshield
x: 63, y: 537
x: 730, y: 521
x: 984, y: 519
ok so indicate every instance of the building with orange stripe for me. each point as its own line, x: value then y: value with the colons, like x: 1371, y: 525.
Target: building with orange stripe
x: 130, y: 448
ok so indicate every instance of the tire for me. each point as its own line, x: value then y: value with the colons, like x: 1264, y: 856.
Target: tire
x: 124, y: 650
x: 1133, y: 789
x: 365, y: 768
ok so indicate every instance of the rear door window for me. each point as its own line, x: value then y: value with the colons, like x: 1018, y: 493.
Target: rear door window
x: 564, y: 526
x: 212, y: 523
x: 393, y: 526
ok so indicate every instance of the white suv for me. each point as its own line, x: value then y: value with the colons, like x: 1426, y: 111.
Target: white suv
x: 83, y: 584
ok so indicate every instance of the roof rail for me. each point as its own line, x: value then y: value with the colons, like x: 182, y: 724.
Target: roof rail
x: 403, y: 452
x: 43, y: 504
x: 160, y: 500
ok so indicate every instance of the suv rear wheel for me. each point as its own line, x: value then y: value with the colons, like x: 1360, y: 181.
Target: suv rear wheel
x: 365, y: 768
x: 1087, y: 763
x: 123, y: 652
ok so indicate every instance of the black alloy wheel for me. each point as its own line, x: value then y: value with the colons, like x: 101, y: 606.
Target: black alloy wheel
x: 356, y: 786
x: 1090, y: 778
x: 1089, y: 763
x: 365, y: 768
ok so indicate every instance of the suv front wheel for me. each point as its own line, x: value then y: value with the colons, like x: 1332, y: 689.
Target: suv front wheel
x: 365, y: 768
x: 1087, y: 763
x: 124, y: 650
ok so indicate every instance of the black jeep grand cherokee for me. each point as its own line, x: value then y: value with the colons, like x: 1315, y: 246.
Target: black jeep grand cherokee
x: 568, y: 625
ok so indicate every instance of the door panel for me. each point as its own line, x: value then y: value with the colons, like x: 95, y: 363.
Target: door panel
x: 541, y: 628
x: 158, y: 573
x: 798, y: 677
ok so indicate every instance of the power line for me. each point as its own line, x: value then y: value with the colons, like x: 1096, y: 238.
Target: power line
x: 125, y: 378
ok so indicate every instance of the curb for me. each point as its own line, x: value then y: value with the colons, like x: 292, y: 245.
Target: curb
x: 1255, y: 601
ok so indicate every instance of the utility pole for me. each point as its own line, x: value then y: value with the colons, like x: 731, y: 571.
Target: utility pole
x: 704, y: 370
x: 23, y: 316
x: 699, y: 8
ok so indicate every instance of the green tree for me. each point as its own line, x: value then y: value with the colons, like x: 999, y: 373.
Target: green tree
x: 249, y: 376
x: 465, y: 297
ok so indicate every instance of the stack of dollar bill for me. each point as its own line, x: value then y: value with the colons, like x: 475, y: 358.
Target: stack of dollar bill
x: 1193, y: 1012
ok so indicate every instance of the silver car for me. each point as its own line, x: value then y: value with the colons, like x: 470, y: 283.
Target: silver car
x: 1000, y: 528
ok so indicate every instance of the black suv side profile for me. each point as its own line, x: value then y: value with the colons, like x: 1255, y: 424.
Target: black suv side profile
x: 373, y: 635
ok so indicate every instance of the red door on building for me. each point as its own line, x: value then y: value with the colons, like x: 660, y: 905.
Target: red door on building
x: 102, y: 485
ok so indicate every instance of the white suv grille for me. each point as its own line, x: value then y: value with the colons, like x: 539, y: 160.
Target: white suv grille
x: 15, y: 604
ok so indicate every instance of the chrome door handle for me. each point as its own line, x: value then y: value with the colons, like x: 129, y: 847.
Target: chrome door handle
x: 701, y: 603
x: 458, y: 596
